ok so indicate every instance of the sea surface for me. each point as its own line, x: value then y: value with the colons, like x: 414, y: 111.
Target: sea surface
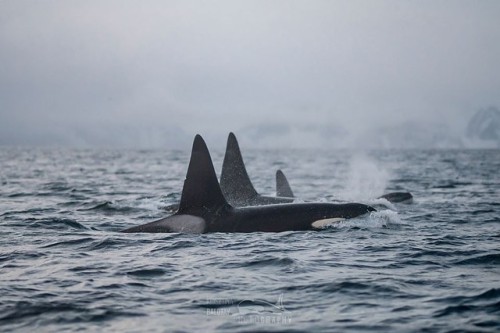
x: 430, y: 266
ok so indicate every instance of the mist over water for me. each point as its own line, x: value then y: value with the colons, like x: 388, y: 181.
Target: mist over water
x: 365, y: 179
x: 286, y: 74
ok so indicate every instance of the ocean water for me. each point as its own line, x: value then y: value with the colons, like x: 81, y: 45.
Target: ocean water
x: 432, y: 266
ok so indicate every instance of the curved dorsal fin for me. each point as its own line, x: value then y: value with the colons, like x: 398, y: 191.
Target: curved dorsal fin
x: 234, y: 179
x: 201, y: 191
x: 283, y: 189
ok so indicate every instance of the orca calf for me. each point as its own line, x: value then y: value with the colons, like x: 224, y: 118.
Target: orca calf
x: 203, y: 207
x: 237, y: 186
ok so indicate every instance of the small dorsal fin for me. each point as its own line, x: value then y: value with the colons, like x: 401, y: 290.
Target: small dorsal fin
x: 234, y: 179
x: 283, y: 189
x: 201, y: 191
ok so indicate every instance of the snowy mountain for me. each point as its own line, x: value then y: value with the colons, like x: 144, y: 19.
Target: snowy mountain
x: 484, y: 128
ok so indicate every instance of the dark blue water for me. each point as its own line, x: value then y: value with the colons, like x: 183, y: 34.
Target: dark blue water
x: 433, y: 266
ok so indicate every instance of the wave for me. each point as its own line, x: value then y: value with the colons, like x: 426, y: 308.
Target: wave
x: 57, y: 224
x: 431, y: 266
x: 106, y: 243
x: 354, y: 289
x: 68, y: 243
x: 264, y: 261
x: 487, y: 302
x: 487, y: 259
x: 62, y: 312
x: 110, y: 207
x: 181, y: 244
x: 379, y: 219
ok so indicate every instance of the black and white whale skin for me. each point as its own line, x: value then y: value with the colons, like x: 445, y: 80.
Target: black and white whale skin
x: 240, y: 192
x: 203, y: 207
x: 237, y: 186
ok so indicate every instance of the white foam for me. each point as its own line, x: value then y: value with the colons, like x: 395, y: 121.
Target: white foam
x: 382, y: 202
x: 379, y: 219
x: 384, y: 218
x: 365, y: 179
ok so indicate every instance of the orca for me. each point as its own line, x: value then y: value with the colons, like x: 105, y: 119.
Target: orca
x: 398, y: 197
x: 203, y: 207
x: 239, y: 190
x: 236, y: 184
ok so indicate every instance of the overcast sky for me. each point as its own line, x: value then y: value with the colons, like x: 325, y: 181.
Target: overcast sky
x: 142, y: 73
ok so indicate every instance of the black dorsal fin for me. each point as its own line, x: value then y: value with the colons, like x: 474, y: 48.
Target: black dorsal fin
x: 283, y: 189
x: 234, y: 179
x: 201, y: 191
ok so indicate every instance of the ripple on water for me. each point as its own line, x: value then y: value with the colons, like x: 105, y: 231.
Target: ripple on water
x: 63, y: 312
x: 181, y: 244
x: 486, y: 259
x: 56, y: 224
x: 259, y: 262
x: 70, y: 243
x: 112, y: 208
x: 21, y: 255
x: 483, y: 307
x: 106, y: 244
x: 430, y: 266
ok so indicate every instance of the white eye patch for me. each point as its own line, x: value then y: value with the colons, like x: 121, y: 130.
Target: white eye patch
x: 321, y: 224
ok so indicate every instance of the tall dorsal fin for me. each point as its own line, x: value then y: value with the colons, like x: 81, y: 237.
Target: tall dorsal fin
x: 283, y: 189
x: 234, y: 179
x: 201, y: 191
